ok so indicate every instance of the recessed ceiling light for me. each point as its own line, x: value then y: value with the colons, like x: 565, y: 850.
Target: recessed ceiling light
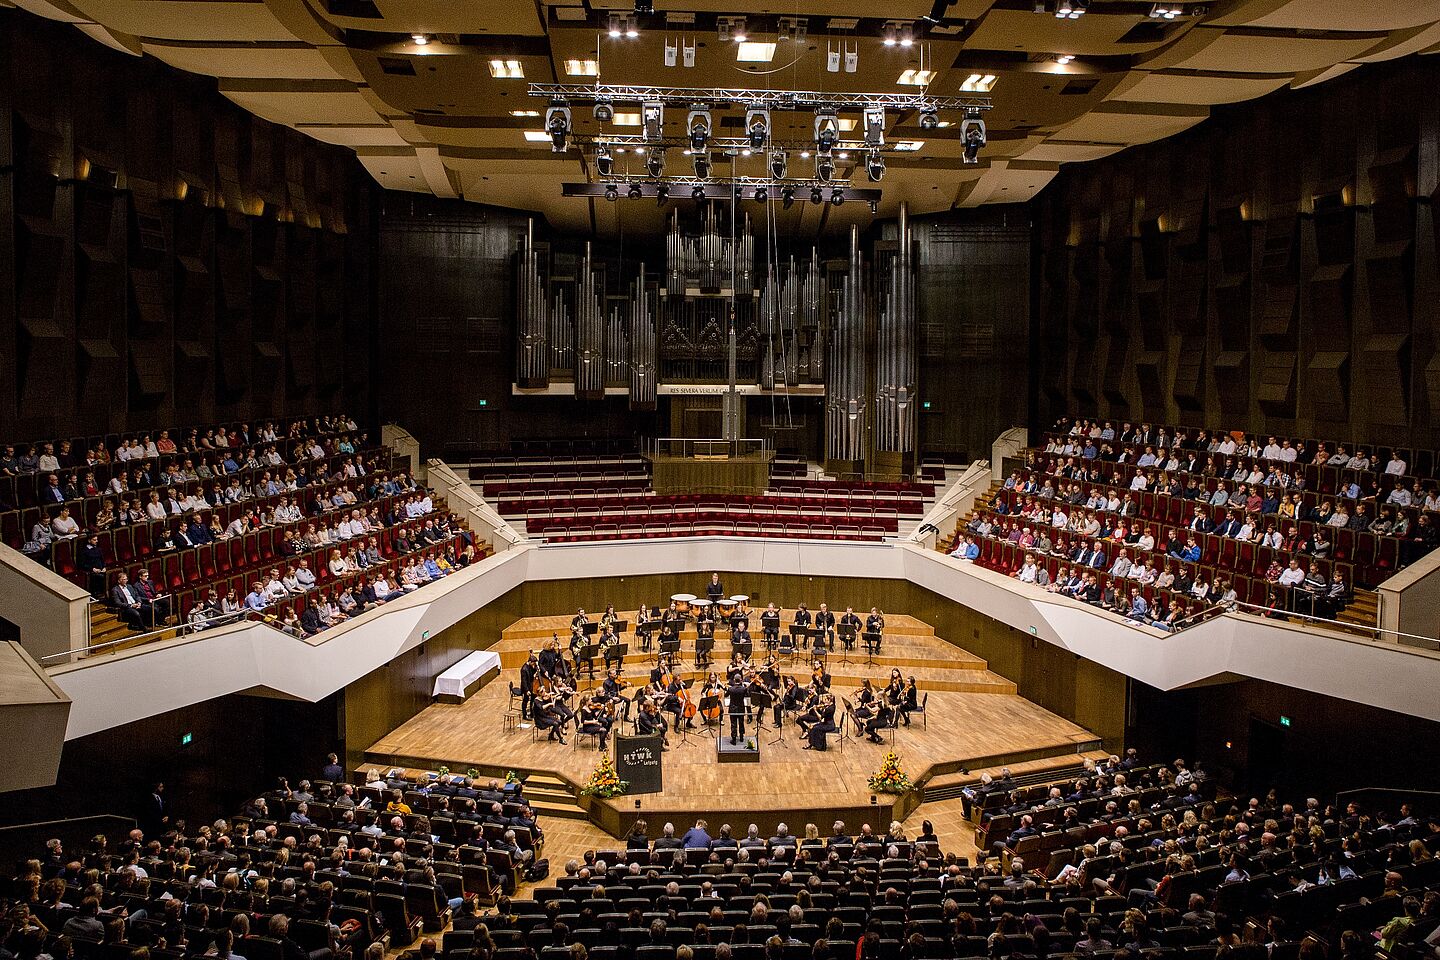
x: 626, y: 119
x: 978, y: 83
x: 524, y: 113
x: 909, y: 146
x: 537, y: 136
x: 1064, y: 58
x: 420, y: 39
x: 507, y: 70
x: 582, y: 68
x: 916, y: 78
x: 754, y: 51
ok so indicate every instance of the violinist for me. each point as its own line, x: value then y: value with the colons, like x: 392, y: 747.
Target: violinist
x: 825, y: 620
x: 738, y: 667
x: 823, y: 725
x: 770, y: 626
x: 895, y: 690
x: 810, y: 709
x: 770, y: 676
x: 792, y: 701
x: 551, y: 714
x: 872, y: 711
x: 612, y: 692
x: 819, y: 678
x: 595, y: 718
x: 911, y: 700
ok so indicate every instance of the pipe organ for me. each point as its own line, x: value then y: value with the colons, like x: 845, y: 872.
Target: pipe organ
x: 847, y: 324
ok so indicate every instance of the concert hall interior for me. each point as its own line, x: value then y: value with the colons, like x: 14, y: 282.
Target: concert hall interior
x: 652, y: 480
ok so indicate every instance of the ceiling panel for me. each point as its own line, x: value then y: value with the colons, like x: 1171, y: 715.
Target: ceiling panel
x: 292, y: 61
x: 187, y: 19
x: 1362, y: 15
x: 305, y: 106
x: 1191, y: 88
x: 1273, y: 53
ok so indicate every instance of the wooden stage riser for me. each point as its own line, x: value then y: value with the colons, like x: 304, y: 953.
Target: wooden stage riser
x: 512, y: 660
x: 542, y: 627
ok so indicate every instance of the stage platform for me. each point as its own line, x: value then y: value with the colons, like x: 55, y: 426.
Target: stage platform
x: 975, y: 720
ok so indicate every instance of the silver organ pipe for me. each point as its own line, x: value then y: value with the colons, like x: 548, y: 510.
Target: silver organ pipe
x: 644, y: 369
x: 532, y: 359
x: 895, y: 400
x: 846, y: 404
x: 589, y: 332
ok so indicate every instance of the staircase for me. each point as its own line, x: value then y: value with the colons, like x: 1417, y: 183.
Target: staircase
x: 1363, y: 612
x: 946, y: 544
x: 107, y: 628
x: 549, y: 796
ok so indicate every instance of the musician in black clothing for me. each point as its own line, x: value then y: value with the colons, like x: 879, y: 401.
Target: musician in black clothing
x: 551, y: 663
x: 872, y: 711
x: 826, y: 724
x: 549, y: 716
x: 528, y: 671
x: 649, y: 721
x: 853, y: 622
x: 714, y: 590
x: 577, y: 622
x: 740, y: 639
x: 736, y: 693
x: 739, y: 620
x: 792, y: 701
x: 803, y: 617
x: 875, y: 624
x: 595, y: 718
x: 611, y: 691
x: 610, y: 648
x: 895, y: 694
x: 770, y: 626
x: 825, y: 620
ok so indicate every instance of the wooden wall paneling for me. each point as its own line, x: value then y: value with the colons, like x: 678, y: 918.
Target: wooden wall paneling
x: 10, y: 327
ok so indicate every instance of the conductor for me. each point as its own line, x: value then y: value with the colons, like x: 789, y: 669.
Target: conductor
x: 736, y: 694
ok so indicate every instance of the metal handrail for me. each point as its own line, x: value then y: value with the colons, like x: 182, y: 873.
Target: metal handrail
x: 1344, y: 625
x: 180, y: 629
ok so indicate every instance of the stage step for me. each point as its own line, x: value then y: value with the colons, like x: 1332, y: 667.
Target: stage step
x: 1053, y: 769
x: 566, y: 809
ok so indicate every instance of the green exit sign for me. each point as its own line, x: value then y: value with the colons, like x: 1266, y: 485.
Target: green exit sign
x: 925, y: 405
x: 186, y: 739
x: 1284, y: 720
x: 484, y: 403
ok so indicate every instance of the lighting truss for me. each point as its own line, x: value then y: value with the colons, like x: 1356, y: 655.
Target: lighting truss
x: 576, y: 93
x: 724, y: 189
x: 721, y: 144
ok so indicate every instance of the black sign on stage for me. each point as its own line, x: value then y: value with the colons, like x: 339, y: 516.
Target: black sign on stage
x: 637, y: 762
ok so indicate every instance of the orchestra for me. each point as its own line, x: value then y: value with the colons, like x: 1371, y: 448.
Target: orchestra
x: 744, y: 690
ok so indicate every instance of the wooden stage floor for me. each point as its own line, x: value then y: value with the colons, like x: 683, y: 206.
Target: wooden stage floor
x: 969, y: 726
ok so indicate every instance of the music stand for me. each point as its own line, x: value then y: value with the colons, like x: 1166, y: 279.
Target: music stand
x: 703, y: 646
x: 872, y: 645
x: 846, y: 716
x: 710, y: 703
x: 616, y: 654
x: 745, y: 648
x: 847, y: 641
x: 797, y: 635
x: 587, y: 653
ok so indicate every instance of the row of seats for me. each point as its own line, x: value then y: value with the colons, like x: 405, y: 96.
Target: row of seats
x: 1372, y: 557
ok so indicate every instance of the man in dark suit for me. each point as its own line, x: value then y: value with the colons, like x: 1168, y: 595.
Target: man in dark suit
x: 310, y: 621
x: 158, y: 601
x: 735, y: 694
x: 91, y: 559
x: 129, y: 604
x: 155, y: 811
x: 825, y: 620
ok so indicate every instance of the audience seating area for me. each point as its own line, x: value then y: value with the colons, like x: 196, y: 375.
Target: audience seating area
x: 602, y: 498
x: 221, y: 558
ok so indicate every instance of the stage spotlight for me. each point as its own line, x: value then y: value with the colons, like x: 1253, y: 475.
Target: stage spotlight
x: 702, y: 165
x: 653, y: 120
x: 778, y: 164
x: 907, y: 35
x: 604, y: 111
x: 837, y: 196
x: 614, y: 26
x: 662, y: 193
x: 815, y: 196
x: 634, y: 193
x: 762, y: 194
x: 698, y: 126
x: 972, y: 136
x: 557, y: 124
x: 874, y: 126
x: 757, y: 126
x: 875, y: 166
x: 603, y: 161
x: 611, y: 193
x: 827, y: 130
x: 824, y: 169
x: 889, y: 34
x: 787, y: 196
x: 632, y: 27
x: 697, y: 192
x: 929, y: 118
x: 655, y: 161
x: 1070, y: 9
